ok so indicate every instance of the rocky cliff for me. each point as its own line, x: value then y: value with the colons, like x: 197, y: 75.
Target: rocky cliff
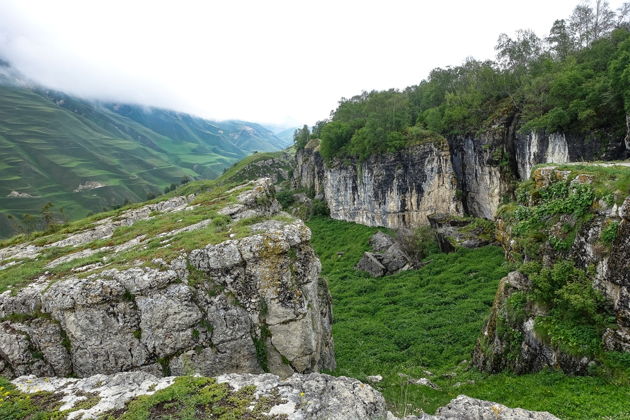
x: 211, y: 282
x: 393, y: 190
x: 403, y: 188
x: 570, y: 235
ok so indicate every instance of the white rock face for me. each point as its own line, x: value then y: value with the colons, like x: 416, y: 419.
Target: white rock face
x: 392, y: 190
x: 535, y: 148
x: 242, y: 305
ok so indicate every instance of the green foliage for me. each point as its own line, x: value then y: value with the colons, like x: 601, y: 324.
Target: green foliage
x: 417, y: 243
x: 430, y: 319
x: 609, y: 233
x: 191, y: 398
x: 319, y: 208
x: 570, y: 84
x: 286, y: 198
x: 301, y: 137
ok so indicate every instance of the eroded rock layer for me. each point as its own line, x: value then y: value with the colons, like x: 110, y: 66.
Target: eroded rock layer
x: 234, y: 288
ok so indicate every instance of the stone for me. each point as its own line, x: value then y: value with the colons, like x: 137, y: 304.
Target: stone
x: 394, y: 259
x: 375, y: 379
x: 299, y: 397
x: 455, y: 232
x: 246, y: 304
x: 423, y: 382
x: 381, y: 241
x: 464, y: 407
x: 371, y: 265
x: 393, y: 190
x: 312, y: 396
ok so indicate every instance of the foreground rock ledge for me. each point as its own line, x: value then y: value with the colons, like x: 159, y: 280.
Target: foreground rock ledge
x: 249, y: 304
x: 311, y: 396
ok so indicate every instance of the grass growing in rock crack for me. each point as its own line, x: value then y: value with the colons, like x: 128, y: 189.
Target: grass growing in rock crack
x: 429, y: 320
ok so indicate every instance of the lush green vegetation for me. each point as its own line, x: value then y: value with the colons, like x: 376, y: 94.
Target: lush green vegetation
x: 429, y: 320
x: 545, y: 222
x: 247, y: 169
x: 575, y: 80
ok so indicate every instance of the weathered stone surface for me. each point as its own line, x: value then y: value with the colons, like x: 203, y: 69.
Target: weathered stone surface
x: 393, y: 190
x: 495, y: 352
x: 389, y: 260
x: 299, y: 397
x: 466, y: 408
x: 381, y: 241
x: 241, y: 305
x: 610, y: 268
x: 371, y: 265
x: 451, y: 233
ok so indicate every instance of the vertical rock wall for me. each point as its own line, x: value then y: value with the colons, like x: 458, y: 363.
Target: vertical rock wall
x: 393, y: 190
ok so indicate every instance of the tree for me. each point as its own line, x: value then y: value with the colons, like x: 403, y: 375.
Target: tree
x: 301, y: 136
x: 520, y: 52
x: 560, y: 40
x: 588, y: 24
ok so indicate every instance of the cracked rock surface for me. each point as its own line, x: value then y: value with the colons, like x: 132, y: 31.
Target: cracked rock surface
x: 300, y: 396
x: 251, y: 304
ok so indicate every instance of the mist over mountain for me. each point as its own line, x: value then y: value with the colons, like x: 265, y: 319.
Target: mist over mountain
x: 86, y: 156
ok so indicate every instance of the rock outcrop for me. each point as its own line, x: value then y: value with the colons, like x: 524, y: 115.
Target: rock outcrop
x: 304, y: 397
x: 398, y: 189
x: 387, y: 258
x: 393, y: 190
x: 220, y: 282
x: 561, y: 220
x: 453, y: 232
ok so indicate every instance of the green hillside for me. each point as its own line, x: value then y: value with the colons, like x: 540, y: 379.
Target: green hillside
x: 51, y: 144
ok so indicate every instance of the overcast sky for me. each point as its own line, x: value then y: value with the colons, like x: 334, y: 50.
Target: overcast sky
x: 266, y: 61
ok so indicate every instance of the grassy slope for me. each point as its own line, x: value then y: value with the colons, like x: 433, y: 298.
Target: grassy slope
x: 47, y: 151
x: 50, y: 143
x: 429, y: 320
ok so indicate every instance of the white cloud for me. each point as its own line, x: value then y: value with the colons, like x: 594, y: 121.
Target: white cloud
x: 268, y: 61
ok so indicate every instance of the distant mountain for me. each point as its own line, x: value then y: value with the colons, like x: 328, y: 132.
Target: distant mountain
x: 286, y: 135
x: 85, y: 156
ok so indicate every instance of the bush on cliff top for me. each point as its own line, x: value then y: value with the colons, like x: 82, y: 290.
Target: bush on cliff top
x: 557, y: 84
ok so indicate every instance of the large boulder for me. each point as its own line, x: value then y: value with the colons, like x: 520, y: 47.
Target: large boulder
x: 389, y: 257
x: 234, y: 288
x: 452, y: 232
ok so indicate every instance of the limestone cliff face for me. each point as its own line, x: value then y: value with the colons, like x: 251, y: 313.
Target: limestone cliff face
x: 234, y: 288
x: 309, y: 171
x: 483, y: 173
x: 393, y: 190
x: 401, y: 189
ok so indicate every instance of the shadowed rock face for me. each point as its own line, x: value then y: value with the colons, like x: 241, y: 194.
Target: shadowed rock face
x: 305, y: 397
x: 248, y: 304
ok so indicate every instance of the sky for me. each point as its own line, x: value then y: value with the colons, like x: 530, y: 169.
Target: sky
x: 281, y: 62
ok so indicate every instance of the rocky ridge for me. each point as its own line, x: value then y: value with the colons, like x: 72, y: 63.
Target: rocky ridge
x: 208, y: 283
x: 471, y: 175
